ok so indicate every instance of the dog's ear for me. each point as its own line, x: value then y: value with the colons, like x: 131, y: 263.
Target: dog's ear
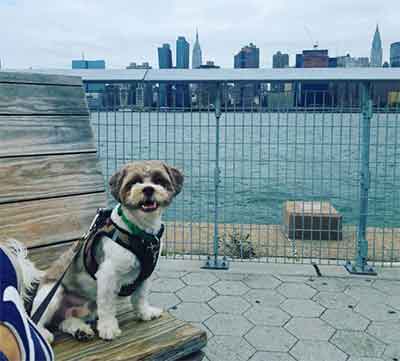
x: 176, y: 177
x: 115, y: 183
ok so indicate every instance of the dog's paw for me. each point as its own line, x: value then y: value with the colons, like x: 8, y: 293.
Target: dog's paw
x: 77, y: 328
x: 108, y: 329
x: 149, y: 313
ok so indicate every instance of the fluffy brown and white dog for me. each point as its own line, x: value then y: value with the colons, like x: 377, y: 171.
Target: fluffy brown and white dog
x: 144, y: 190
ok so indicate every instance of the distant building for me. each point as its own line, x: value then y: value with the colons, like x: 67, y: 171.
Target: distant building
x: 144, y: 65
x: 164, y: 62
x: 209, y: 65
x: 315, y: 58
x: 395, y: 55
x: 348, y: 61
x: 88, y: 64
x: 165, y: 57
x: 248, y: 57
x: 196, y: 54
x: 376, y: 49
x: 246, y: 95
x: 182, y: 53
x: 280, y: 60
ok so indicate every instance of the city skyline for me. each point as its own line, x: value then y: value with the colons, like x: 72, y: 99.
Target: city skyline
x: 59, y: 32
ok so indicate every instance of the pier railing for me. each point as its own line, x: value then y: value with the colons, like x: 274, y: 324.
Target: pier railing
x: 276, y: 171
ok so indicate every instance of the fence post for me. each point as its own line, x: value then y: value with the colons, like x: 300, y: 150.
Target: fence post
x: 360, y: 265
x: 215, y: 262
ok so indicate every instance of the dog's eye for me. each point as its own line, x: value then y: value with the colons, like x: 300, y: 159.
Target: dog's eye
x: 159, y: 180
x: 135, y: 180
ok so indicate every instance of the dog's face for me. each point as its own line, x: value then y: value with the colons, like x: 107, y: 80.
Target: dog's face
x: 146, y: 186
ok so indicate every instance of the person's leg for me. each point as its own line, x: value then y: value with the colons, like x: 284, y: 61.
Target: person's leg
x: 9, y: 345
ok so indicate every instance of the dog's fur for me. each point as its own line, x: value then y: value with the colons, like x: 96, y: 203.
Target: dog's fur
x: 144, y: 190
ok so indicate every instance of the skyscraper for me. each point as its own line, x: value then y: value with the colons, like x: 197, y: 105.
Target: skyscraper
x: 395, y: 55
x: 248, y: 57
x: 165, y: 57
x: 182, y: 53
x: 165, y: 62
x: 376, y: 49
x: 196, y: 54
x: 280, y: 60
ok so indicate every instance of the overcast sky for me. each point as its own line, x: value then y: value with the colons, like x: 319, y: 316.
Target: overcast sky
x: 49, y: 33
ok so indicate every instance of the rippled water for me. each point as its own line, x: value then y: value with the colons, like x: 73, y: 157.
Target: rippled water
x: 264, y: 159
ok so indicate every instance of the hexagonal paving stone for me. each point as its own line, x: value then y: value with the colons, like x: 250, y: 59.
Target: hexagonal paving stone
x: 326, y: 284
x: 266, y: 338
x: 170, y: 274
x: 345, y: 320
x: 389, y: 287
x: 335, y: 300
x: 166, y: 285
x: 310, y: 329
x: 295, y: 278
x: 261, y: 281
x: 317, y: 351
x: 192, y: 312
x: 392, y: 352
x: 393, y: 301
x: 228, y: 276
x: 228, y: 348
x: 366, y: 293
x: 377, y: 312
x: 230, y: 288
x: 302, y: 308
x: 200, y: 279
x: 388, y: 332
x: 196, y: 294
x: 267, y: 298
x: 229, y: 304
x: 365, y: 359
x: 358, y: 344
x: 226, y: 324
x: 163, y: 300
x: 296, y: 290
x: 271, y: 316
x: 272, y: 356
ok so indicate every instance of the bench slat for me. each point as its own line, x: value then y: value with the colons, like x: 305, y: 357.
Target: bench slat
x: 49, y: 221
x: 164, y: 339
x: 24, y: 178
x: 22, y: 135
x: 38, y: 78
x: 41, y: 99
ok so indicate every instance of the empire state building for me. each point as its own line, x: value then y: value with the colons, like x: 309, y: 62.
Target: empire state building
x: 196, y: 55
x: 376, y: 49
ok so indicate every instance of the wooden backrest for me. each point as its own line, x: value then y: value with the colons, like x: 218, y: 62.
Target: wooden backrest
x: 50, y: 179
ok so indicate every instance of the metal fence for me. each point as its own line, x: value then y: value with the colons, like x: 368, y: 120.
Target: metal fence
x: 282, y: 177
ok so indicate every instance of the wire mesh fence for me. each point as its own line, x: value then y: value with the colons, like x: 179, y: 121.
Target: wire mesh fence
x: 273, y: 179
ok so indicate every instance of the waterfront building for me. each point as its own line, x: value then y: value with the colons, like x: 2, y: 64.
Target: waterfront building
x: 88, y: 64
x: 164, y: 62
x: 348, y: 61
x: 376, y: 49
x: 280, y: 60
x: 395, y: 55
x: 196, y: 54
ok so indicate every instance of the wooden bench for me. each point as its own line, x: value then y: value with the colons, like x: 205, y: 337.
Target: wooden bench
x: 51, y: 186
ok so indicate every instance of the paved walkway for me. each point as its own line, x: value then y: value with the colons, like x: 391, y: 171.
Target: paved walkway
x: 262, y: 312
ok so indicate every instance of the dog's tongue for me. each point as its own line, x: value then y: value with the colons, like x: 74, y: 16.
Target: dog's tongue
x: 151, y: 206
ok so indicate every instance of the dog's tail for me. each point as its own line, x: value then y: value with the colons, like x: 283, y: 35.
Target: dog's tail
x: 27, y: 272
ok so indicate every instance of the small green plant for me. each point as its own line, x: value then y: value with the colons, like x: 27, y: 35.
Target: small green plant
x: 237, y: 245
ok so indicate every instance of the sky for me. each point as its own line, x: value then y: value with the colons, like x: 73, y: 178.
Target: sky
x: 50, y: 33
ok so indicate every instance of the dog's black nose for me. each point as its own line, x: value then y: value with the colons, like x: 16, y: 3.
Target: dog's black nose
x: 148, y: 191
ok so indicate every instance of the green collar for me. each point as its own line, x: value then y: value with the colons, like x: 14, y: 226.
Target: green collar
x: 135, y: 230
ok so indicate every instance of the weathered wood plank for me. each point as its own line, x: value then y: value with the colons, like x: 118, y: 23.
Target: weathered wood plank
x: 165, y: 339
x: 21, y: 135
x: 39, y: 78
x: 49, y: 221
x: 25, y: 178
x: 41, y: 99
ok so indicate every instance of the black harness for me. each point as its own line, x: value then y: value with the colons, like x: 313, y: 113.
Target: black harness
x: 145, y: 246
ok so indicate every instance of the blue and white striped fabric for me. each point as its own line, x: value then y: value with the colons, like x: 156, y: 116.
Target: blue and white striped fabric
x: 33, y: 346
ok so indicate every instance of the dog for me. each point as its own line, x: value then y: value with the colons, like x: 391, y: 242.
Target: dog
x: 143, y: 190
